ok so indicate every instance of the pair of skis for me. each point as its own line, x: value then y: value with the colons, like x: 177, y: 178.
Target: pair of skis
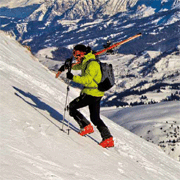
x: 116, y: 45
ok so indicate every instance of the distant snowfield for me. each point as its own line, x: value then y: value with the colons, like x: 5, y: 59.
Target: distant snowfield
x: 33, y: 146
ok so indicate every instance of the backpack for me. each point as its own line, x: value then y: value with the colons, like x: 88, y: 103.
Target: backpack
x: 107, y: 80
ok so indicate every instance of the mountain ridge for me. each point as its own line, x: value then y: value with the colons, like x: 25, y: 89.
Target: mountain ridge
x: 46, y: 23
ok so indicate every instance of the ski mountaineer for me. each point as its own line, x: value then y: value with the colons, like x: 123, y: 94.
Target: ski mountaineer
x: 89, y: 96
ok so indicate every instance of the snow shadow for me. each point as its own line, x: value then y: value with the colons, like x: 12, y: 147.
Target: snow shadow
x: 40, y: 105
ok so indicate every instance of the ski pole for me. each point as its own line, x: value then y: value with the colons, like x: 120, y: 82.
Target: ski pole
x: 66, y: 108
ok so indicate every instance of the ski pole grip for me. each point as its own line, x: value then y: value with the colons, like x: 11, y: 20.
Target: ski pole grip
x: 68, y: 63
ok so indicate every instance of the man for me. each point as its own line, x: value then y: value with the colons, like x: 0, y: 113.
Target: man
x: 90, y: 95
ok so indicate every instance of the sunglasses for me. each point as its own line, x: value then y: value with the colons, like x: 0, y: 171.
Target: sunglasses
x: 77, y: 53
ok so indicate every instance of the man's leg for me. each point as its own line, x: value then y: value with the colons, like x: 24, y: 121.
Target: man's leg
x: 77, y: 103
x: 94, y: 109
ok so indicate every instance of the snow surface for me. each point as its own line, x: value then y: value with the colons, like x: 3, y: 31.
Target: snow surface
x: 33, y: 146
x: 158, y: 123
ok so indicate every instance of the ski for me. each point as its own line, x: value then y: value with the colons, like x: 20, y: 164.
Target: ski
x: 116, y: 45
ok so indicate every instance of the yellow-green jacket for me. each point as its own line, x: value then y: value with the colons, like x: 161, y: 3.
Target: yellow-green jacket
x: 92, y: 71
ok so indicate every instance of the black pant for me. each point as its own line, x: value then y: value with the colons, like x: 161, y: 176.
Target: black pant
x: 94, y: 108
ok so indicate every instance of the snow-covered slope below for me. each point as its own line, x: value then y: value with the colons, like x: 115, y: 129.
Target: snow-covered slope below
x: 159, y: 124
x: 33, y: 146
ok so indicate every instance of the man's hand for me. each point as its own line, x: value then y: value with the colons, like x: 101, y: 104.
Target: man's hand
x: 67, y: 65
x: 69, y: 75
x: 61, y: 69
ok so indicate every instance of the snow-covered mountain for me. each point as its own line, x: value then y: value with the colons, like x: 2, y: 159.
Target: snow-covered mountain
x: 150, y: 77
x: 33, y: 145
x: 145, y: 67
x: 63, y: 23
x: 71, y: 9
x: 74, y: 9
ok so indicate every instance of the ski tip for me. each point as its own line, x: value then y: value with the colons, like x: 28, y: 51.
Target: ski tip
x: 139, y: 34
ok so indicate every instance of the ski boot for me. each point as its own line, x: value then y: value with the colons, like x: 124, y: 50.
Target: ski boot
x: 109, y: 142
x: 86, y: 130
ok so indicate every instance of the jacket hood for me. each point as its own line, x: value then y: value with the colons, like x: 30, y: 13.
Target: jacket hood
x: 88, y: 57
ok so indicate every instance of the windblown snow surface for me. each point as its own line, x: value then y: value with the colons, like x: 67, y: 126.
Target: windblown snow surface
x: 33, y: 146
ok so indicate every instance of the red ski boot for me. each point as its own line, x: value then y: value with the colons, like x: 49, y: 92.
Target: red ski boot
x: 87, y: 130
x: 107, y: 143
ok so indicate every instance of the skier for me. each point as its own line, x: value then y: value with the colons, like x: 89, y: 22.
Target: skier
x: 89, y: 96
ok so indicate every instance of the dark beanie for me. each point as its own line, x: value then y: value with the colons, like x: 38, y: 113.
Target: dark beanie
x: 80, y: 47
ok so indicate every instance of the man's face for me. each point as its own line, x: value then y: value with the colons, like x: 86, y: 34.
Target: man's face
x: 79, y: 55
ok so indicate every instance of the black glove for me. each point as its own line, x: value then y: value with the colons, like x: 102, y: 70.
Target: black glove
x: 69, y: 75
x: 62, y: 68
x: 68, y: 63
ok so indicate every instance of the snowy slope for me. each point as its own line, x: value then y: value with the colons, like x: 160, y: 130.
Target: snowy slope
x: 159, y: 124
x: 33, y: 145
